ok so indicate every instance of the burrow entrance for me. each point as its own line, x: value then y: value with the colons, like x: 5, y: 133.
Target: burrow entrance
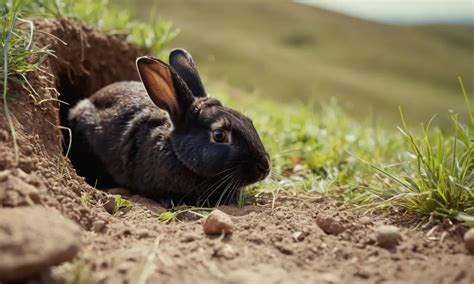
x: 88, y: 62
x: 38, y: 174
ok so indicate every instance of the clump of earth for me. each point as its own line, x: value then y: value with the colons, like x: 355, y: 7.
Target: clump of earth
x: 56, y: 228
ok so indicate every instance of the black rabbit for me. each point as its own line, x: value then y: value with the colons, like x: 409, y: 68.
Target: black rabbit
x: 166, y: 139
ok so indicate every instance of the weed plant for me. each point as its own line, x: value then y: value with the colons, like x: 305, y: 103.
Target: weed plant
x: 436, y: 173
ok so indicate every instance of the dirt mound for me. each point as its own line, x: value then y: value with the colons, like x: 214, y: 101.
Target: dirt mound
x: 280, y: 245
x: 32, y: 239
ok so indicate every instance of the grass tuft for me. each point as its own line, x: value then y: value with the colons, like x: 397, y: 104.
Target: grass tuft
x: 435, y: 175
x: 153, y: 34
x: 20, y: 56
x: 173, y: 214
x: 168, y: 217
x: 85, y: 199
x: 122, y: 205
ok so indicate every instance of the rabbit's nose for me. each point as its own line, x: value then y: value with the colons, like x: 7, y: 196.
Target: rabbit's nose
x: 264, y: 168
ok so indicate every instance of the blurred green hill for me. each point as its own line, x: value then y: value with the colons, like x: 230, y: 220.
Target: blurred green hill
x: 290, y: 51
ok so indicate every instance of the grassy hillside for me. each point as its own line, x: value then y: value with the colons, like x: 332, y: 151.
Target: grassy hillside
x: 287, y: 50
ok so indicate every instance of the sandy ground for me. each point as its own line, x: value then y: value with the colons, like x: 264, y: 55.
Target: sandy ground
x: 283, y: 244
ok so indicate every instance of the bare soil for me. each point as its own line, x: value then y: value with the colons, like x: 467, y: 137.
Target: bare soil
x: 270, y: 244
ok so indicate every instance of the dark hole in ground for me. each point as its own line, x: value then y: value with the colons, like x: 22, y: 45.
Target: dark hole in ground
x: 88, y: 62
x: 72, y: 91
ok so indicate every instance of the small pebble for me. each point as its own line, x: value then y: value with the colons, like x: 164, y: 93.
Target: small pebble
x: 329, y: 224
x: 98, y: 226
x: 143, y: 233
x: 298, y: 236
x: 123, y: 232
x: 124, y: 267
x: 226, y: 251
x: 299, y: 169
x: 284, y: 248
x: 469, y: 240
x: 217, y: 222
x: 256, y: 238
x: 388, y: 236
x: 4, y: 175
x: 365, y: 220
x: 189, y: 237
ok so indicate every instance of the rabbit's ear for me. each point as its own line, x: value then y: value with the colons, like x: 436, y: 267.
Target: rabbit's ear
x: 183, y: 64
x: 159, y: 83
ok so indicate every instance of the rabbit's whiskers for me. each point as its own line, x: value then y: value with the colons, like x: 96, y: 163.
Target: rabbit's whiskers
x: 193, y: 189
x: 228, y: 186
x: 233, y: 189
x: 211, y: 190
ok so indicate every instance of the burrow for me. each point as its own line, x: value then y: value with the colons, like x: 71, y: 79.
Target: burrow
x: 84, y: 61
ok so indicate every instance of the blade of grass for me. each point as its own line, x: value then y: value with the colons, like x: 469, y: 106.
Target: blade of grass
x: 6, y: 48
x: 466, y: 100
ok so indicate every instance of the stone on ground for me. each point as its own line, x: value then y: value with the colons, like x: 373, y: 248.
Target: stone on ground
x: 32, y: 239
x: 217, y: 222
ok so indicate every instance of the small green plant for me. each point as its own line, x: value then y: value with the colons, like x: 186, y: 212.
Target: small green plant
x: 168, y: 217
x: 172, y: 215
x: 80, y: 273
x: 85, y: 199
x: 122, y: 205
x: 154, y: 35
x: 435, y: 176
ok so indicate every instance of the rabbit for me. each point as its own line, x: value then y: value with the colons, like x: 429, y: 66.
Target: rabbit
x: 165, y: 139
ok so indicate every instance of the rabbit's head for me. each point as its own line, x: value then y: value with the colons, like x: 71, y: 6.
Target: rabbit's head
x: 208, y: 138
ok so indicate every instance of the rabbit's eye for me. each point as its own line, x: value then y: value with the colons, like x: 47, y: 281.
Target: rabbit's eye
x: 220, y: 136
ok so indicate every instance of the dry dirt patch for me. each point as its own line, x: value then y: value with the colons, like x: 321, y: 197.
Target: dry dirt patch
x: 280, y: 245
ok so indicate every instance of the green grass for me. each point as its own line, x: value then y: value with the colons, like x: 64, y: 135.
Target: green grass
x: 19, y: 56
x: 436, y: 174
x: 153, y: 35
x: 322, y: 138
x: 287, y: 51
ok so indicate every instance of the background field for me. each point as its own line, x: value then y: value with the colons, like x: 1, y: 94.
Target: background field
x: 290, y: 51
